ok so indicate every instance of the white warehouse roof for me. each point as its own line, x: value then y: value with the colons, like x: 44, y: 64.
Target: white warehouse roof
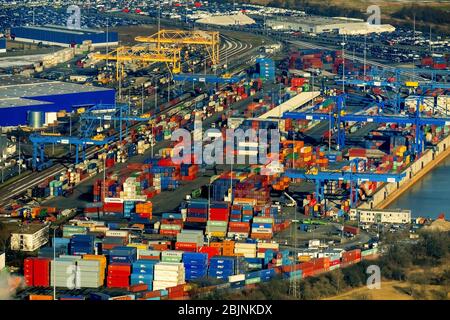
x: 290, y: 105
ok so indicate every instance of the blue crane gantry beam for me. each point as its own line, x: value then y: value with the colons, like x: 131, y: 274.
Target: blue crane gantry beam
x: 119, y: 112
x: 101, y: 112
x: 321, y: 177
x: 338, y: 118
x: 39, y: 141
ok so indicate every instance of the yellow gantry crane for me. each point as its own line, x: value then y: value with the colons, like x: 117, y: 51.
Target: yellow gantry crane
x: 143, y: 54
x: 179, y: 38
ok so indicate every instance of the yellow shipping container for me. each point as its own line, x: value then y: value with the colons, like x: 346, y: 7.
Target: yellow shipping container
x: 411, y: 84
x: 139, y: 246
x: 304, y: 258
x: 218, y: 234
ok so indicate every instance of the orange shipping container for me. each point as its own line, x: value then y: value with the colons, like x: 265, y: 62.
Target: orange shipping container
x: 40, y: 297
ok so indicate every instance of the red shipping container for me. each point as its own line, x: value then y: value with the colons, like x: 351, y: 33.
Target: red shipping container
x: 439, y: 66
x: 219, y: 210
x: 41, y: 272
x: 138, y: 288
x: 125, y: 267
x: 210, y: 251
x: 186, y: 246
x: 335, y: 262
x: 351, y: 229
x: 151, y: 294
x: 239, y: 225
x: 218, y: 216
x: 113, y: 207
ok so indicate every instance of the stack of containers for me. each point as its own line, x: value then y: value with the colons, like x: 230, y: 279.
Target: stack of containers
x: 228, y: 248
x: 247, y: 212
x: 91, y: 274
x: 266, y: 68
x: 216, y: 228
x: 149, y: 255
x: 145, y: 210
x: 255, y: 263
x: 197, y: 210
x: 237, y: 281
x: 321, y: 265
x: 264, y: 247
x: 195, y: 265
x: 142, y: 272
x: 168, y: 275
x: 81, y: 244
x: 253, y: 277
x: 218, y: 246
x: 172, y: 256
x: 281, y: 258
x: 69, y: 231
x: 210, y: 251
x: 219, y: 211
x: 123, y: 255
x: 119, y: 275
x: 36, y: 272
x: 221, y: 267
x: 189, y: 240
x: 62, y: 272
x: 248, y: 250
x: 188, y: 171
x: 109, y: 243
x: 238, y: 229
x: 49, y: 252
x: 128, y: 208
x: 351, y: 257
x: 102, y: 267
x: 171, y: 224
x: 262, y: 228
x: 61, y: 243
x: 236, y: 213
x: 56, y: 188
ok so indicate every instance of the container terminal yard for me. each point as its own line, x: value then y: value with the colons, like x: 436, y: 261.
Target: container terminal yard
x: 181, y: 153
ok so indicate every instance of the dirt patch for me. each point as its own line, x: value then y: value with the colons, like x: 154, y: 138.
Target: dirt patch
x: 392, y: 290
x: 128, y: 33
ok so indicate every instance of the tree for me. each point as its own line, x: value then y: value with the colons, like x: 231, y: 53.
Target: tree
x: 336, y: 278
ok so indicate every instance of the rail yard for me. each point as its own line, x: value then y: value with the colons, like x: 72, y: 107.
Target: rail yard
x: 180, y: 152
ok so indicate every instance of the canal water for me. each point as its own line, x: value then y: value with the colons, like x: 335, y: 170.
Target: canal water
x: 430, y: 196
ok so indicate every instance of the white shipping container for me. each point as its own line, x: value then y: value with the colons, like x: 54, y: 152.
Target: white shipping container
x: 117, y: 233
x: 168, y: 266
x: 245, y: 246
x: 237, y: 277
x: 263, y: 245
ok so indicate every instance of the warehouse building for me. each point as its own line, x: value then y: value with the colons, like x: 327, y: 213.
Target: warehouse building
x: 29, y: 237
x: 2, y: 45
x: 317, y: 25
x: 62, y: 36
x: 394, y: 216
x: 19, y: 95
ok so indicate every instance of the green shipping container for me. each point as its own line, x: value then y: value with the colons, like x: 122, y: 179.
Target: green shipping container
x: 252, y: 280
x: 214, y: 223
x: 171, y: 259
x: 262, y: 220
